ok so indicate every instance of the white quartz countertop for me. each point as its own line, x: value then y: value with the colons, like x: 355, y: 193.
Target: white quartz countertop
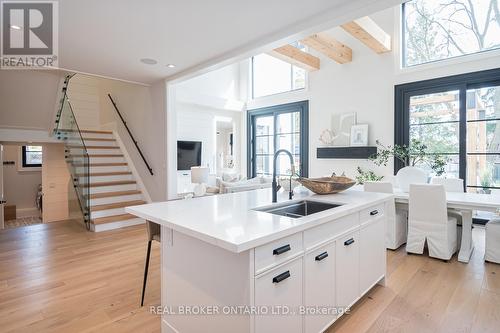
x: 229, y: 221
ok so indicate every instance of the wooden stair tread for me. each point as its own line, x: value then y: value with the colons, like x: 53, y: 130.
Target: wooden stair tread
x: 101, y: 164
x: 97, y: 208
x: 96, y: 147
x: 114, y: 194
x: 113, y: 218
x: 98, y: 139
x: 113, y: 183
x: 96, y: 131
x: 97, y: 155
x: 99, y: 174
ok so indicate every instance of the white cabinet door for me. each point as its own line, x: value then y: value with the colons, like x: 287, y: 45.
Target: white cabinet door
x: 280, y: 287
x: 319, y: 287
x: 347, y: 269
x: 372, y: 253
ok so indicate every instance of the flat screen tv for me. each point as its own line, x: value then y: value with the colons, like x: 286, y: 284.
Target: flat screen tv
x: 188, y: 154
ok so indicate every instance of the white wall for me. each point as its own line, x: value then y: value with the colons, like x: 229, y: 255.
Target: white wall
x: 20, y: 187
x: 365, y: 86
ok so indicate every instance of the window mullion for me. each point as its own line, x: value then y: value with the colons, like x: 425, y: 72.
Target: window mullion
x: 462, y: 109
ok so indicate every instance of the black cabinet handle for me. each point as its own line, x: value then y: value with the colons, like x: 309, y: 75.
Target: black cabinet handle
x: 281, y: 250
x: 321, y: 256
x: 349, y: 241
x: 374, y: 212
x: 281, y: 277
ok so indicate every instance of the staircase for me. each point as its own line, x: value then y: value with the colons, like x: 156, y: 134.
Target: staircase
x: 104, y: 182
x: 111, y: 186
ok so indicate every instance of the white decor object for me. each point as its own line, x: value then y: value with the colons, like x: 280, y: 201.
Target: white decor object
x: 326, y: 137
x: 492, y: 252
x: 359, y: 135
x: 428, y: 220
x: 410, y: 175
x: 396, y: 224
x: 199, y: 176
x: 341, y: 128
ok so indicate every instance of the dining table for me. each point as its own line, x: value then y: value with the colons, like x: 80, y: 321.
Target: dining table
x: 465, y: 203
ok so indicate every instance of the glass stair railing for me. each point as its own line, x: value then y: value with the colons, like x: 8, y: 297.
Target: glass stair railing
x: 76, y: 154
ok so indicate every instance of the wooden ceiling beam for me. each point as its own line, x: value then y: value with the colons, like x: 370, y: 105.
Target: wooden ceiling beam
x: 330, y: 47
x: 297, y: 57
x: 370, y: 34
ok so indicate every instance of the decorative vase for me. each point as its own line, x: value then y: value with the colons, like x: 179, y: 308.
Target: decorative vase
x: 410, y: 175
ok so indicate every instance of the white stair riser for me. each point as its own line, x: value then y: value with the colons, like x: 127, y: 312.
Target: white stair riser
x: 121, y: 198
x: 113, y: 188
x: 100, y: 143
x: 103, y: 151
x: 81, y: 159
x: 97, y: 135
x: 97, y: 179
x: 104, y: 169
x: 116, y: 225
x: 107, y: 212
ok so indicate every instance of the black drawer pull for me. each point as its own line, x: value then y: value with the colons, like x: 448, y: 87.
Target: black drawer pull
x: 281, y: 250
x: 374, y: 212
x: 349, y: 241
x: 281, y: 277
x: 321, y: 256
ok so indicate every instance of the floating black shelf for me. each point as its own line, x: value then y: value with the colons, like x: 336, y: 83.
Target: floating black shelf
x: 346, y: 152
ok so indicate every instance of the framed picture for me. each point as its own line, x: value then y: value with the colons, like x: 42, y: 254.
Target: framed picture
x: 341, y: 128
x: 359, y: 135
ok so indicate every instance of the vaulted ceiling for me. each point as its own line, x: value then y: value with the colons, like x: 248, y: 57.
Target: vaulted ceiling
x: 109, y: 37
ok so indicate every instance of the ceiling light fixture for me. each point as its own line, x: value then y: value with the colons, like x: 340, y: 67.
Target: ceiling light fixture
x: 15, y: 27
x: 149, y: 61
x: 170, y: 65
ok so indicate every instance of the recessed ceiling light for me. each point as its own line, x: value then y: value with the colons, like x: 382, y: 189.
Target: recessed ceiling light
x: 149, y: 61
x: 170, y: 65
x: 15, y: 27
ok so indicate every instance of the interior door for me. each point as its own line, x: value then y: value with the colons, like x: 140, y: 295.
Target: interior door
x: 2, y: 200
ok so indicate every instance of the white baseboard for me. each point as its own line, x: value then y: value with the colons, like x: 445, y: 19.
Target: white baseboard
x: 116, y: 225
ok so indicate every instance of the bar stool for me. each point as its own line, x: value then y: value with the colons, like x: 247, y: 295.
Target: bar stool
x: 154, y: 234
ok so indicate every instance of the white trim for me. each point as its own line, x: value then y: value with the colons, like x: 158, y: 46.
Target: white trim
x: 116, y: 225
x: 74, y: 71
x: 136, y: 175
x: 26, y: 135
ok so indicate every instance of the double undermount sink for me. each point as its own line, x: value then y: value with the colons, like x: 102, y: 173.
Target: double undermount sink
x: 298, y: 209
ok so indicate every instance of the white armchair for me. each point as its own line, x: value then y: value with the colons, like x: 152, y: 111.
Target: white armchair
x: 397, y: 219
x: 428, y: 220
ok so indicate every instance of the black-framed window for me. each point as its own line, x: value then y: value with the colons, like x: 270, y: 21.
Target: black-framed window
x: 31, y: 156
x: 278, y: 127
x: 456, y: 116
x: 437, y: 30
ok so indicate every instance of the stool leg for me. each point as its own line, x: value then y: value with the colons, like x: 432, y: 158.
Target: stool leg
x: 146, y: 268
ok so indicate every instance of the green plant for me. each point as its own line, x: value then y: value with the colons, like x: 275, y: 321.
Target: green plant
x: 486, y: 178
x: 367, y: 176
x: 412, y: 155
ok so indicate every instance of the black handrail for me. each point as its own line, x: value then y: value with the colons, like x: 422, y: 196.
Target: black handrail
x: 131, y: 136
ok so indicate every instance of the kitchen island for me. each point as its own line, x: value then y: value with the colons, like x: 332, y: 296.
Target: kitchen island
x: 228, y: 264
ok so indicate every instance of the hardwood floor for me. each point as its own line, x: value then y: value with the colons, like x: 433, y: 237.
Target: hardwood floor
x: 59, y: 278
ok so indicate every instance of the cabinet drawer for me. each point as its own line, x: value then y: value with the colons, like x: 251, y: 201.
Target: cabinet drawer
x: 277, y: 252
x: 280, y: 286
x: 371, y: 213
x: 329, y: 230
x: 347, y: 269
x: 319, y: 287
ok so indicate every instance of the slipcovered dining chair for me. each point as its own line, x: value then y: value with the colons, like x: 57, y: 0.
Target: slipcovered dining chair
x: 154, y: 234
x: 492, y: 245
x: 428, y: 220
x: 397, y: 219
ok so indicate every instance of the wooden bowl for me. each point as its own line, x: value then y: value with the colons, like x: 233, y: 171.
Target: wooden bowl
x: 327, y: 185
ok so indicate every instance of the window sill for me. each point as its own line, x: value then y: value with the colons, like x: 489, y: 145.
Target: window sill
x: 34, y: 169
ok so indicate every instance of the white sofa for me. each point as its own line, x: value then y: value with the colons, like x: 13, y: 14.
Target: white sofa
x: 243, y: 185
